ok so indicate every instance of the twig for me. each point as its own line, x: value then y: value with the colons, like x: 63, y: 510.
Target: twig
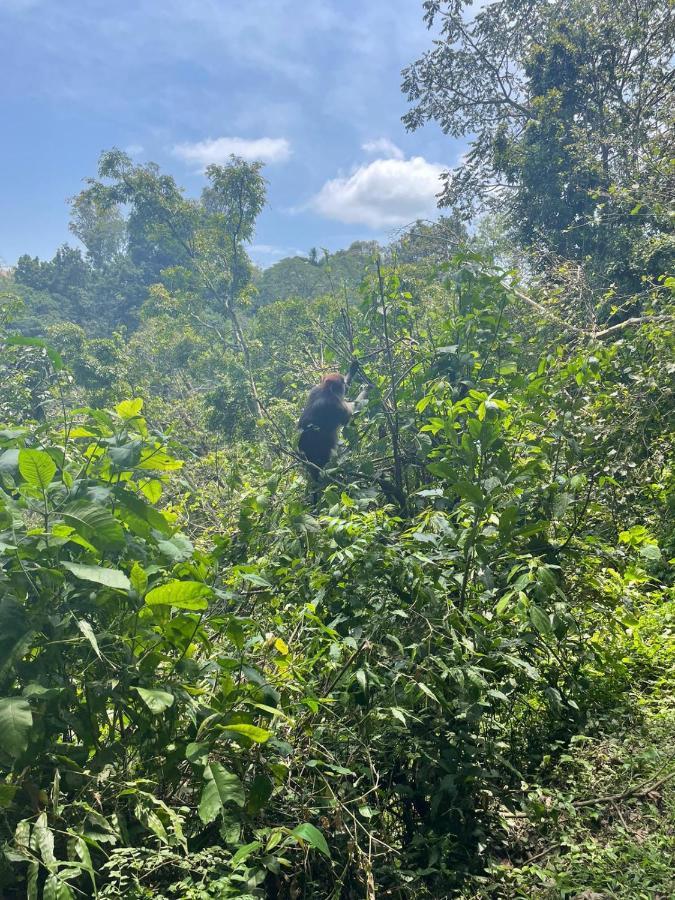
x: 542, y: 853
x: 604, y: 332
x: 640, y: 790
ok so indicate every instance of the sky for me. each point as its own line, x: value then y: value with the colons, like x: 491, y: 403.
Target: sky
x: 311, y: 88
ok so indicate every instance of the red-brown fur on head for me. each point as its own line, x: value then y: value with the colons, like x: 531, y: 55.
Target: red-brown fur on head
x: 334, y: 382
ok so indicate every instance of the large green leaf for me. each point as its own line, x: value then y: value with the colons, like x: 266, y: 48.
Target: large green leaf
x: 469, y: 491
x: 112, y: 578
x: 16, y: 721
x: 56, y: 889
x: 180, y: 594
x: 95, y: 524
x: 36, y: 467
x: 252, y: 732
x: 221, y: 787
x: 540, y: 620
x: 138, y: 509
x: 129, y: 409
x: 127, y: 455
x: 155, y: 699
x: 311, y: 834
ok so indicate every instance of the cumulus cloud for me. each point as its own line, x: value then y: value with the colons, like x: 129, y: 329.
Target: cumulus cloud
x: 218, y: 150
x: 384, y: 147
x: 382, y: 194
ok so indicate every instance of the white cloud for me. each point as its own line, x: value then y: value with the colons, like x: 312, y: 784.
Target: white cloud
x: 267, y: 249
x: 384, y: 147
x: 382, y: 194
x: 134, y: 149
x: 219, y: 150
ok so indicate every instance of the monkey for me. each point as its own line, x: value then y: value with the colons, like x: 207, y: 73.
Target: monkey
x: 325, y: 412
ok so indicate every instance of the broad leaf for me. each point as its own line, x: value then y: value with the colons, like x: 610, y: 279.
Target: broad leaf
x: 16, y: 721
x: 112, y: 578
x: 37, y: 468
x: 180, y: 594
x: 252, y: 732
x: 156, y: 700
x: 56, y: 889
x: 129, y: 409
x: 95, y: 524
x: 9, y: 461
x: 220, y: 788
x: 540, y: 620
x: 139, y: 579
x: 311, y: 834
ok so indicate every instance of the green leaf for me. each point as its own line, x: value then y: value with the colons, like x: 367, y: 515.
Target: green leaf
x: 16, y: 721
x: 180, y: 594
x: 427, y: 690
x: 112, y: 578
x: 129, y: 409
x: 155, y: 699
x: 43, y: 840
x: 253, y: 732
x: 399, y: 714
x: 139, y: 579
x: 32, y: 880
x: 312, y: 835
x: 469, y: 491
x: 95, y: 524
x: 37, y: 468
x: 178, y: 547
x: 540, y: 620
x: 244, y: 852
x: 220, y: 788
x: 127, y: 455
x: 139, y: 509
x: 56, y: 889
x: 197, y: 754
x: 650, y: 551
x: 88, y: 632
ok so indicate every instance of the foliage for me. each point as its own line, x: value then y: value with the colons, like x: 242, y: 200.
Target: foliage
x: 372, y: 678
x: 568, y: 106
x: 439, y: 668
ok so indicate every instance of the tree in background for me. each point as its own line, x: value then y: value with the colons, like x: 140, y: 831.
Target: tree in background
x: 568, y: 106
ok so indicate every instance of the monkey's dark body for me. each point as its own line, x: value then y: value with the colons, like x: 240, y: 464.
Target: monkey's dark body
x: 325, y: 413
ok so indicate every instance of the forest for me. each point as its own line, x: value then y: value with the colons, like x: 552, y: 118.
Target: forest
x: 443, y: 665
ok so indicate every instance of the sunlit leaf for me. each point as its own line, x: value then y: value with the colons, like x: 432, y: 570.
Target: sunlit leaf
x: 37, y: 468
x: 112, y: 578
x: 181, y: 595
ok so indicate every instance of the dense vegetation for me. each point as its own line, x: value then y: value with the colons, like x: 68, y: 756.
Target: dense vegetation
x: 445, y: 670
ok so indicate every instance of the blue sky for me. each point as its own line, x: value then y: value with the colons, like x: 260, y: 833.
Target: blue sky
x: 313, y: 88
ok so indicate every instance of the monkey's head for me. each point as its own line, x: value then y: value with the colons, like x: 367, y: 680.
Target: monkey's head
x: 335, y: 382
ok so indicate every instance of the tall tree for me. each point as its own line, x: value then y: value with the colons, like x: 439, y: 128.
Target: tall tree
x: 566, y: 105
x: 203, y: 240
